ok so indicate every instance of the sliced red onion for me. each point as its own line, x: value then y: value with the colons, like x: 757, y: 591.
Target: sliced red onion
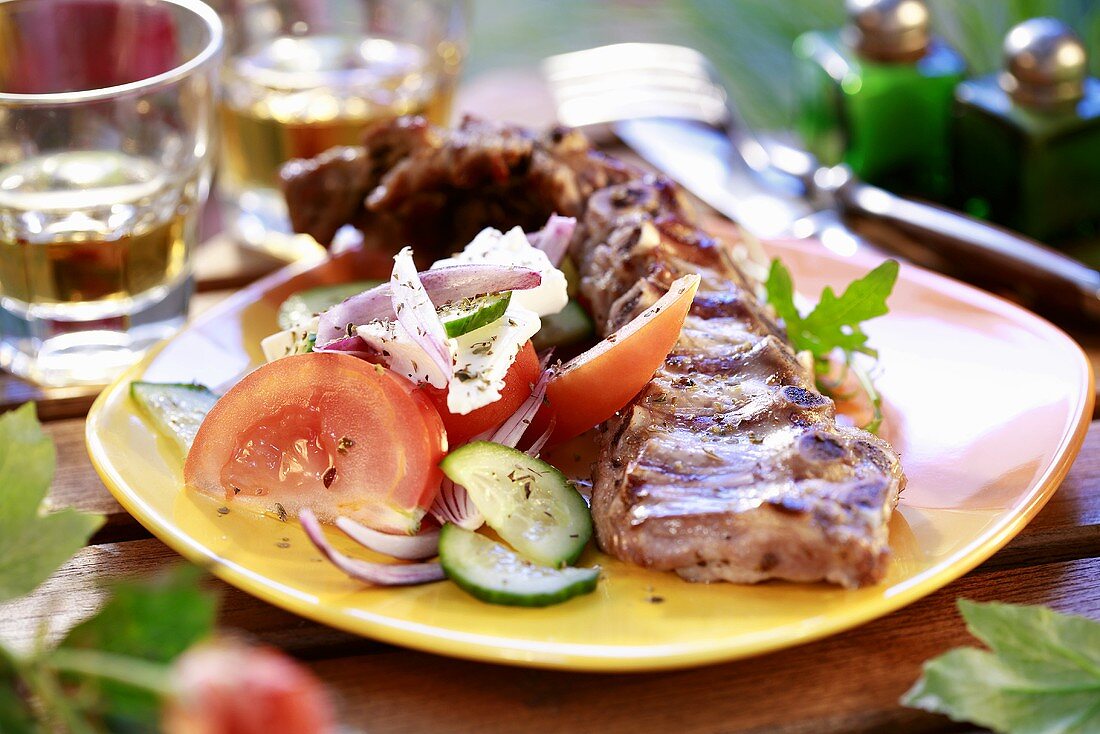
x: 444, y: 285
x: 353, y: 345
x: 405, y: 547
x: 379, y: 574
x: 554, y: 237
x: 417, y: 315
x: 511, y: 430
x: 536, y: 447
x: 453, y: 505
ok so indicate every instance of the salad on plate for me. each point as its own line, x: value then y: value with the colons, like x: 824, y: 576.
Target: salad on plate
x: 411, y: 415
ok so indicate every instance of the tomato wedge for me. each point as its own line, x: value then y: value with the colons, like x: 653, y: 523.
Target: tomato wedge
x: 323, y: 431
x: 589, y: 388
x: 517, y: 387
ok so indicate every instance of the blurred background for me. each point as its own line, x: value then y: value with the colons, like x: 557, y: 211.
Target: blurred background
x: 749, y: 40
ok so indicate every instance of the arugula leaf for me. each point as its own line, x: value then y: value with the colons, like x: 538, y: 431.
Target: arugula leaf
x: 780, y: 289
x: 153, y: 621
x: 1040, y: 676
x: 32, y: 544
x: 835, y: 323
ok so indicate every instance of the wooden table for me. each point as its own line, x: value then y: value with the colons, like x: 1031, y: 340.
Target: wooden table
x: 847, y: 683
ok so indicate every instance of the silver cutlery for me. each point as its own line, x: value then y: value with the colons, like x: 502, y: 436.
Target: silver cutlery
x: 667, y: 103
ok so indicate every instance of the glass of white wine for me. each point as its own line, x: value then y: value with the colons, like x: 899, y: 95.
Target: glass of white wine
x: 302, y: 76
x: 106, y: 114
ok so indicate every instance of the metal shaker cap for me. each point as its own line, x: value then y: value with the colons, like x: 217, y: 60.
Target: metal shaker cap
x: 1045, y: 63
x: 888, y: 30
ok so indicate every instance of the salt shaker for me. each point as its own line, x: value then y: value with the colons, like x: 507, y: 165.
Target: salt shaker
x: 1027, y: 139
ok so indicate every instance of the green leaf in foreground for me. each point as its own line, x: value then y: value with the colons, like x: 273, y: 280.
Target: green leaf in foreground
x: 1040, y: 676
x: 143, y: 627
x: 15, y: 716
x: 33, y: 544
x: 836, y: 321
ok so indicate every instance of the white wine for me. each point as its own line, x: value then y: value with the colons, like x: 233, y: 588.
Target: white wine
x: 84, y: 229
x: 295, y: 97
x: 93, y: 261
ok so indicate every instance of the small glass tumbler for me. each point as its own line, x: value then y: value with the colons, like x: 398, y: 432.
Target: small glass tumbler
x: 106, y: 116
x: 302, y: 76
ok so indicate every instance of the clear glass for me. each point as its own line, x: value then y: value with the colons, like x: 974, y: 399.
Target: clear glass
x: 303, y: 76
x: 106, y: 115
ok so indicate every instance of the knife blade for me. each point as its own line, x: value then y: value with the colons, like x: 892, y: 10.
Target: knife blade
x: 704, y: 161
x: 853, y: 215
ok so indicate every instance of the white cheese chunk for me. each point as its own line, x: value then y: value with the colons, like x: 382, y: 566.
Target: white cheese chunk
x: 401, y: 352
x: 483, y: 357
x: 512, y: 248
x: 289, y: 342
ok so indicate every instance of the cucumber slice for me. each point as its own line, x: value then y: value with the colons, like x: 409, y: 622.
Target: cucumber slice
x: 305, y: 304
x: 570, y: 325
x: 492, y: 573
x: 175, y: 410
x: 462, y: 317
x: 530, y: 504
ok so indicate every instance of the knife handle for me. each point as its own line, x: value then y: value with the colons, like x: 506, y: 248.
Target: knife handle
x: 1043, y: 279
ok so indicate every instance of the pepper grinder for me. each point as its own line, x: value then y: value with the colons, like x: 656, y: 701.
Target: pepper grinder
x: 1027, y: 140
x: 877, y: 95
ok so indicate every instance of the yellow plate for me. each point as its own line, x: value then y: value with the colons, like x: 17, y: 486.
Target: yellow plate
x: 987, y: 405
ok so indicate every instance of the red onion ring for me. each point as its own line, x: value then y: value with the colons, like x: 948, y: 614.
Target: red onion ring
x: 416, y: 313
x: 405, y: 547
x: 554, y: 237
x: 378, y: 574
x: 444, y: 285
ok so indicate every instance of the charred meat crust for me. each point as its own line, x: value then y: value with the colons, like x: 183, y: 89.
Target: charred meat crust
x: 435, y: 189
x: 729, y: 465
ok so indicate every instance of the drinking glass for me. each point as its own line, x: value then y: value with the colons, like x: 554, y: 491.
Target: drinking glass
x: 302, y: 76
x: 106, y: 115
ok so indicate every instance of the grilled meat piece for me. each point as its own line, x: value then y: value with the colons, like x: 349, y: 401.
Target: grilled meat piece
x: 729, y: 465
x: 327, y: 192
x: 433, y: 189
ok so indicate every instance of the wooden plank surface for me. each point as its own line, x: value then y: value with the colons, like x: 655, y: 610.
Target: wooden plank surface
x: 847, y: 683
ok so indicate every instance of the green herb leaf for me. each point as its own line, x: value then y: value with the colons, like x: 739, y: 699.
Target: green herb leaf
x: 153, y: 622
x: 32, y: 544
x: 1041, y: 675
x: 836, y: 321
x: 780, y: 288
x: 15, y: 717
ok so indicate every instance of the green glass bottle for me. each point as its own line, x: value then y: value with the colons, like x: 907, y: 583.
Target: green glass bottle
x: 1027, y: 140
x: 877, y: 96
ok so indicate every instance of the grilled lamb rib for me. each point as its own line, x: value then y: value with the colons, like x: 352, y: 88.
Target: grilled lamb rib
x: 729, y: 465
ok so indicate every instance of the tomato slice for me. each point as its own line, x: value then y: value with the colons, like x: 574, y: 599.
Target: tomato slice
x: 589, y: 388
x: 326, y: 431
x: 523, y: 373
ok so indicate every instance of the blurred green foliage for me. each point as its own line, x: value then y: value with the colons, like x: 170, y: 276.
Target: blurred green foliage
x: 749, y: 40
